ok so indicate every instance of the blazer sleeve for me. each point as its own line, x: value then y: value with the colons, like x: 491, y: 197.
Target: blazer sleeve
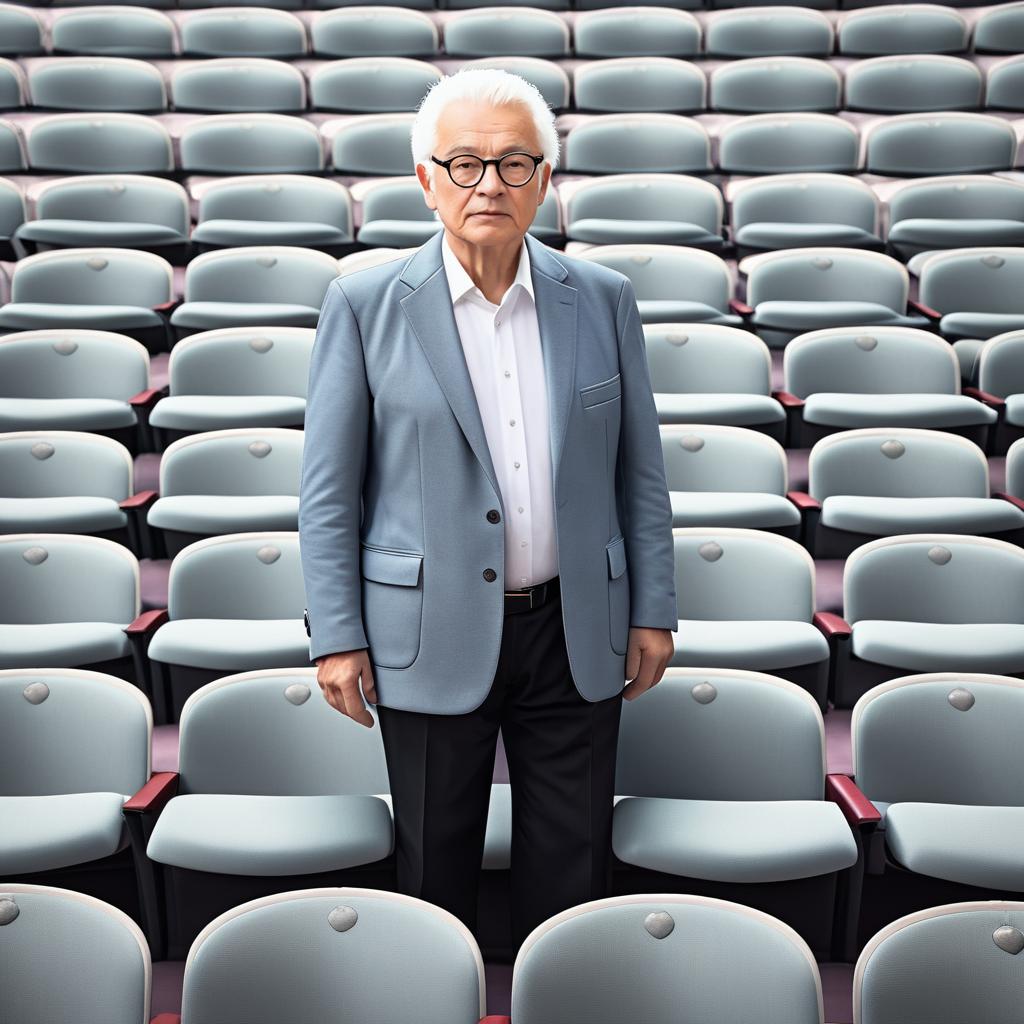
x: 640, y: 476
x: 331, y: 484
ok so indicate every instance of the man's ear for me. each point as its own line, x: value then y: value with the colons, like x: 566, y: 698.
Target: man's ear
x: 544, y: 182
x: 428, y: 191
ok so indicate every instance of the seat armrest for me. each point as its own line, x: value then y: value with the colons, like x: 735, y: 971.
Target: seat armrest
x: 741, y: 308
x: 1011, y: 498
x: 832, y: 625
x: 984, y: 396
x: 163, y: 307
x: 166, y: 1018
x: 154, y: 794
x: 141, y: 500
x: 858, y: 810
x: 926, y: 311
x: 146, y: 399
x: 787, y: 400
x: 803, y: 501
x: 148, y: 622
x: 496, y: 1018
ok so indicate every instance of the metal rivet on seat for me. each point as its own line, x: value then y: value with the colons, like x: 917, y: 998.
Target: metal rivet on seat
x: 8, y: 909
x: 245, y: 126
x: 640, y: 257
x: 940, y: 555
x: 35, y: 555
x: 704, y: 693
x: 893, y: 449
x: 992, y: 260
x: 261, y: 449
x: 272, y: 186
x: 659, y: 924
x: 266, y: 261
x: 710, y: 551
x: 297, y: 693
x: 676, y: 338
x: 868, y: 342
x: 36, y: 693
x: 268, y: 554
x: 42, y: 450
x: 342, y: 918
x: 65, y: 346
x: 1009, y: 939
x: 821, y: 262
x: 97, y: 263
x: 961, y: 699
x: 261, y: 345
x: 691, y: 442
x: 117, y: 187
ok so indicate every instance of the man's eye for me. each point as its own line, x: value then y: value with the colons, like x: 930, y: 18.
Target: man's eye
x: 462, y: 165
x: 515, y: 163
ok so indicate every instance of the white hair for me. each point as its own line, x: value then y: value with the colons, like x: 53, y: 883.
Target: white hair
x: 484, y: 85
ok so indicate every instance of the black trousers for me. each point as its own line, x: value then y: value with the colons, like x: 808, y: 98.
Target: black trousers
x: 561, y: 756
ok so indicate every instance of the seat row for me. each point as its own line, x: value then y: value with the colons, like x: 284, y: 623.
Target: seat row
x: 508, y: 31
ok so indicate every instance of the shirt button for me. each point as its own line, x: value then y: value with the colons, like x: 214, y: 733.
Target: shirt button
x: 517, y: 465
x: 520, y: 508
x: 507, y: 373
x: 522, y: 543
x: 511, y: 423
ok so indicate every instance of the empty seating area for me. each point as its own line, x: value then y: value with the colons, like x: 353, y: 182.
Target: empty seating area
x: 820, y: 207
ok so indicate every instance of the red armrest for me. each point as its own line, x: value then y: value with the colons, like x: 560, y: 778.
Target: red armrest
x: 788, y: 400
x: 832, y: 625
x: 803, y: 500
x: 740, y: 307
x: 148, y: 397
x: 1011, y: 498
x: 141, y: 500
x: 920, y: 307
x: 147, y: 622
x: 164, y: 306
x: 166, y: 1018
x: 984, y: 396
x: 856, y: 807
x: 496, y: 1018
x: 154, y: 794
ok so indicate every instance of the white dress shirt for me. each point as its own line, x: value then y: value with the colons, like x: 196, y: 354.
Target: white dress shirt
x: 506, y: 365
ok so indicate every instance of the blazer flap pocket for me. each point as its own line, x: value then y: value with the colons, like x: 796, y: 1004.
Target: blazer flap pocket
x: 401, y: 567
x: 603, y: 391
x: 616, y: 557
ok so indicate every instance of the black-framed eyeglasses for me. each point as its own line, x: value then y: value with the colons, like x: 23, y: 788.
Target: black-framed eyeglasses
x: 515, y: 169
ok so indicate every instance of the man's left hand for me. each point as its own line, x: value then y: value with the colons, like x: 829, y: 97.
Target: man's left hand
x: 647, y: 654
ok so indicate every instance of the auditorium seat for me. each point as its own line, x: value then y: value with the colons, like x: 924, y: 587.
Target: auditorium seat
x: 253, y: 285
x: 929, y: 753
x: 943, y: 964
x: 728, y: 476
x: 884, y: 481
x: 706, y: 373
x: 1004, y: 87
x: 930, y: 602
x: 251, y: 143
x: 785, y: 211
x: 372, y: 144
x: 774, y: 143
x: 95, y: 381
x: 371, y: 85
x: 394, y: 213
x: 274, y: 209
x: 237, y: 85
x: 373, y: 31
x: 97, y: 83
x: 255, y: 816
x: 622, y: 85
x: 106, y: 967
x: 367, y: 258
x: 378, y: 955
x: 550, y: 79
x: 1000, y: 379
x: 669, y: 208
x: 793, y: 291
x: 13, y: 83
x: 955, y: 211
x: 234, y: 604
x: 665, y: 956
x: 769, y: 85
x: 1000, y: 29
x: 912, y: 145
x: 705, y: 793
x: 21, y: 30
x: 641, y: 31
x: 67, y: 481
x: 116, y: 30
x: 131, y: 211
x: 624, y: 143
x: 673, y: 283
x: 65, y: 601
x: 98, y: 143
x: 906, y: 83
x: 903, y: 29
x: 506, y: 32
x: 12, y: 213
x: 770, y: 31
x: 976, y: 292
x: 746, y: 600
x: 244, y: 32
x: 239, y: 480
x: 234, y: 377
x: 846, y: 377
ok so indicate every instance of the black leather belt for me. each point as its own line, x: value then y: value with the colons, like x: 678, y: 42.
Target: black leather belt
x: 532, y: 597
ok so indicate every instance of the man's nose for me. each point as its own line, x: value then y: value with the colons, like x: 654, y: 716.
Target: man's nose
x: 491, y: 183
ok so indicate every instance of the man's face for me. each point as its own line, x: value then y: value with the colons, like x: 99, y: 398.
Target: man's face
x: 491, y: 212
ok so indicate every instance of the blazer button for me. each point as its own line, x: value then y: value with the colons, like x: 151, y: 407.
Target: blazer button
x: 490, y: 575
x: 493, y: 516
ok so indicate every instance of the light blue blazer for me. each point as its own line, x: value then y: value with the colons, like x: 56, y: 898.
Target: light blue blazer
x: 397, y: 482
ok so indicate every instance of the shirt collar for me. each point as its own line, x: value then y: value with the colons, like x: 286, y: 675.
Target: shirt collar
x: 461, y: 284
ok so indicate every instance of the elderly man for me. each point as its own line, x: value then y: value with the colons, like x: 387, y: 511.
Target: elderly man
x: 485, y: 524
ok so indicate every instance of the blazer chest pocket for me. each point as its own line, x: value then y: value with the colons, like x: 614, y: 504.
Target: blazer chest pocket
x: 601, y: 392
x: 392, y: 604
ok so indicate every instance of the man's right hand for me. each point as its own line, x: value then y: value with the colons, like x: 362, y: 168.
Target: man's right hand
x: 338, y: 676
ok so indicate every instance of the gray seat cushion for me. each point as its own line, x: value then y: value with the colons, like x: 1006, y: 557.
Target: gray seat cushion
x: 232, y: 644
x: 41, y: 833
x: 1015, y: 410
x: 222, y: 513
x: 886, y: 517
x: 306, y: 234
x: 733, y: 840
x: 939, y: 233
x: 980, y: 325
x: 60, y: 515
x: 602, y: 231
x: 65, y: 414
x: 757, y: 644
x: 730, y: 508
x: 249, y: 834
x: 28, y: 316
x: 62, y: 644
x: 839, y: 409
x: 211, y: 315
x: 400, y: 234
x: 98, y: 232
x: 962, y: 843
x: 941, y: 647
x: 772, y: 235
x: 661, y: 311
x: 735, y: 409
x: 214, y: 412
x: 806, y: 316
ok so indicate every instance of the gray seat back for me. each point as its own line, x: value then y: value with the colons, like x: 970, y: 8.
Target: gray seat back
x: 100, y: 142
x: 906, y: 83
x: 706, y: 457
x: 763, y: 85
x: 668, y: 271
x: 805, y: 199
x: 242, y: 143
x: 228, y: 85
x: 942, y: 143
x: 63, y: 463
x: 93, y: 277
x: 637, y: 84
x: 649, y: 197
x: 979, y: 280
x: 771, y: 143
x: 278, y: 197
x: 621, y: 143
x: 116, y: 198
x: 261, y: 273
x: 706, y: 358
